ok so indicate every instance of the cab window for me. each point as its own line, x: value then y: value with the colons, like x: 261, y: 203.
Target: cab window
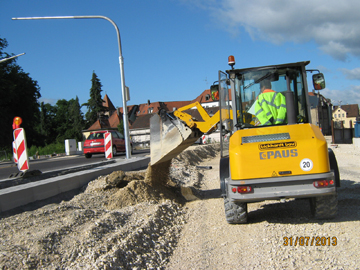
x: 261, y: 100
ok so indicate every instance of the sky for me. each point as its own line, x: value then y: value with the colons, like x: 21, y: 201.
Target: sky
x: 173, y: 49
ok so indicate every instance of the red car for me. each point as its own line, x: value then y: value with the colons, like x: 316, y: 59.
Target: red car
x: 94, y: 144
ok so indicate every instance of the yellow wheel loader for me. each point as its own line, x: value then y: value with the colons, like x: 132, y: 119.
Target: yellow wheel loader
x: 269, y: 148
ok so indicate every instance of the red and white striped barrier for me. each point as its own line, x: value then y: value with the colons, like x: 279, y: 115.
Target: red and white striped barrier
x: 20, y: 145
x: 203, y: 138
x: 14, y: 152
x: 108, y: 145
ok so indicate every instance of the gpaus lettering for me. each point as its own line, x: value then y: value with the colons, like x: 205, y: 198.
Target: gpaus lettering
x: 279, y: 154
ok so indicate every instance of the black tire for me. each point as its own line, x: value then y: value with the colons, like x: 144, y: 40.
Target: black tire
x: 235, y: 212
x: 224, y: 173
x: 132, y: 149
x: 324, y: 207
x: 88, y: 155
x: 334, y: 166
x: 114, y: 151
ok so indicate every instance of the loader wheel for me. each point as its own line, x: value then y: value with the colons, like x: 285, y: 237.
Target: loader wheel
x: 235, y: 212
x: 324, y: 207
x: 334, y: 166
x: 224, y: 173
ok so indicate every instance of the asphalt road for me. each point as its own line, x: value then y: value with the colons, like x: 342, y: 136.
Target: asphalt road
x: 58, y: 163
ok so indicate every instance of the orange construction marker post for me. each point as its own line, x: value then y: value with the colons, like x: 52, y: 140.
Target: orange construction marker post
x: 108, y: 145
x: 20, y: 149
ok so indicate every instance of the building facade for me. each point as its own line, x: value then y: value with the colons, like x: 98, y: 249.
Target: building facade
x: 346, y: 115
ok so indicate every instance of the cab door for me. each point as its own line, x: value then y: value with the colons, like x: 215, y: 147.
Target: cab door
x: 226, y: 114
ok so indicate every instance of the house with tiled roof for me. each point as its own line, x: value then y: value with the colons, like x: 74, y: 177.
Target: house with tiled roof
x: 154, y: 107
x: 205, y: 99
x: 139, y: 115
x: 140, y: 130
x: 108, y: 119
x: 104, y: 123
x: 346, y: 115
x: 110, y: 108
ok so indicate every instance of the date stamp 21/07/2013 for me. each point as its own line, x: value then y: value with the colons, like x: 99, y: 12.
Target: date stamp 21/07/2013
x: 310, y: 241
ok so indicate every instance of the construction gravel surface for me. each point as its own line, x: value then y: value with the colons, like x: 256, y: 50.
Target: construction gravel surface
x: 123, y: 221
x: 208, y: 242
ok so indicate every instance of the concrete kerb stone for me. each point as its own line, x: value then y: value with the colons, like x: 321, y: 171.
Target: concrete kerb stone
x: 20, y: 195
x: 33, y: 176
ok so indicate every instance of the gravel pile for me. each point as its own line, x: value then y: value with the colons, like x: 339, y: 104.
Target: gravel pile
x: 116, y: 222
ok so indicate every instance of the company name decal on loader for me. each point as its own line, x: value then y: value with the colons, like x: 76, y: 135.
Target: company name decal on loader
x: 278, y: 154
x: 277, y: 145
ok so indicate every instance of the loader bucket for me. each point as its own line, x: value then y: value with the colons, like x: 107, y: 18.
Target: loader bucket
x: 168, y: 137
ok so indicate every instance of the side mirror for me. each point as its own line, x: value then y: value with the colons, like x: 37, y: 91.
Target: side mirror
x: 214, y: 90
x: 318, y: 81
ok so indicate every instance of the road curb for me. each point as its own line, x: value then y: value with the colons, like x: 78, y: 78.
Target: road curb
x: 20, y: 195
x: 20, y: 178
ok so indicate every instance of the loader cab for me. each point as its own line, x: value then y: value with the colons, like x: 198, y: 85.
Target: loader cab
x: 267, y: 96
x: 260, y: 97
x: 278, y: 92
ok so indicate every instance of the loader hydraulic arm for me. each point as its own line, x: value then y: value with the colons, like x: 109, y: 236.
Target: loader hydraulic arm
x: 207, y: 125
x: 172, y: 134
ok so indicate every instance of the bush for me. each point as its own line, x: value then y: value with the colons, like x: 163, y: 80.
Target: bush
x: 47, y: 149
x: 6, y: 153
x: 4, y: 156
x: 32, y: 150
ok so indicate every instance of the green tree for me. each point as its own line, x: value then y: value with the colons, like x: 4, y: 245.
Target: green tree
x: 69, y: 121
x: 94, y: 104
x: 120, y: 126
x: 62, y: 119
x: 47, y: 127
x: 76, y: 119
x: 19, y: 94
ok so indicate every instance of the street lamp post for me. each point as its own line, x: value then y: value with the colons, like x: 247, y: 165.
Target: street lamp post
x: 12, y: 57
x: 121, y: 62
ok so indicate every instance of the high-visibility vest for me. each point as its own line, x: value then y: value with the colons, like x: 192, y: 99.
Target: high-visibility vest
x: 270, y: 108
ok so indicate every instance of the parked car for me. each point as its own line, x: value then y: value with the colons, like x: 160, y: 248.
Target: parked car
x: 94, y: 143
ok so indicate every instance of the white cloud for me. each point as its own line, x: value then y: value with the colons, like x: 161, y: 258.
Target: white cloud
x: 351, y: 95
x: 334, y: 25
x: 324, y: 69
x: 351, y: 74
x: 51, y: 101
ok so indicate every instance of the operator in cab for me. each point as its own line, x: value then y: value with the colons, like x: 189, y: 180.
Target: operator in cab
x: 270, y: 106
